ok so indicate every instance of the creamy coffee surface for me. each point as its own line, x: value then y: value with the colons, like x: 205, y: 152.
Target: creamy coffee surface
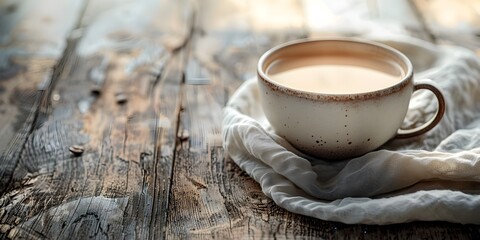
x: 334, y: 75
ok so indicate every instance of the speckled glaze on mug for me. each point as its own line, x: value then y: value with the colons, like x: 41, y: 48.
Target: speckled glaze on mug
x: 340, y: 126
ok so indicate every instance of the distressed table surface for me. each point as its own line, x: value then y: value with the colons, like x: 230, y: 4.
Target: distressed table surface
x: 111, y: 113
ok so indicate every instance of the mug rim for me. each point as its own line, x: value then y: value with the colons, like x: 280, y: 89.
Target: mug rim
x: 406, y: 79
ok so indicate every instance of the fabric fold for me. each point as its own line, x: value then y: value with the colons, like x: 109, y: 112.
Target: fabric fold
x: 431, y: 177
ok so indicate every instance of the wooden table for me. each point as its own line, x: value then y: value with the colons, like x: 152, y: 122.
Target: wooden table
x: 111, y: 117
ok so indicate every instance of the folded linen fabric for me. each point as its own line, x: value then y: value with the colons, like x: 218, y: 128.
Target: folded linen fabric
x: 435, y: 176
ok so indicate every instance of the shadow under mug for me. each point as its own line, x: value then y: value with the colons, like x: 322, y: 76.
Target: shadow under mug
x: 340, y: 126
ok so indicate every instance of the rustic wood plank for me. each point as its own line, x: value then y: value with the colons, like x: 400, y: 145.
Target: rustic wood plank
x: 211, y: 196
x: 117, y: 96
x: 152, y: 165
x: 32, y: 41
x: 452, y: 21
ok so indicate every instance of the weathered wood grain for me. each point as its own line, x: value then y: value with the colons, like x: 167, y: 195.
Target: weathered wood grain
x: 31, y: 43
x: 116, y: 94
x: 211, y: 197
x: 140, y: 86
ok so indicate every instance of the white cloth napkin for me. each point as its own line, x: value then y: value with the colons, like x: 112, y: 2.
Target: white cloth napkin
x: 432, y: 177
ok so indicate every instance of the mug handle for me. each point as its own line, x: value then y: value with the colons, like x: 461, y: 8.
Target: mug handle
x: 428, y: 85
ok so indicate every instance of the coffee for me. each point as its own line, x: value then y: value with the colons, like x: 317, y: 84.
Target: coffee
x: 339, y: 98
x: 334, y: 74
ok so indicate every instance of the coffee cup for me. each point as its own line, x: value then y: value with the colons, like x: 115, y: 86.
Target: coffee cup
x: 340, y: 98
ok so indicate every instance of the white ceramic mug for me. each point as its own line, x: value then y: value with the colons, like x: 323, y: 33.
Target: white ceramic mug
x: 339, y: 126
